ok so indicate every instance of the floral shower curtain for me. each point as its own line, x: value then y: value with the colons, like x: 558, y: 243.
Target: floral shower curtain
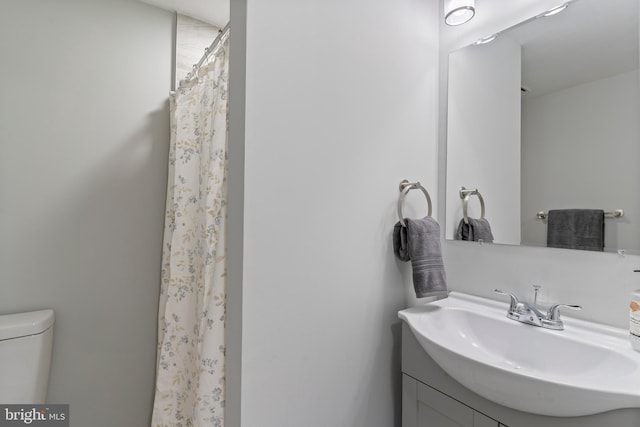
x: 191, y: 333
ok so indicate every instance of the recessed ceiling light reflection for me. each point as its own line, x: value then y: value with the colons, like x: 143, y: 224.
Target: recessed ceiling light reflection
x: 487, y: 39
x: 555, y: 10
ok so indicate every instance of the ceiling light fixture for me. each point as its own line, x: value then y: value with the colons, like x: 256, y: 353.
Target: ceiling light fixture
x: 457, y: 12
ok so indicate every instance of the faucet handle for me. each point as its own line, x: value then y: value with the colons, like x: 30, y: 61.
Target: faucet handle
x: 514, y: 300
x: 554, y: 310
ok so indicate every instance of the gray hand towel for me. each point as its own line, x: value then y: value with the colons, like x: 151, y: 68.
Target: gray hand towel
x: 419, y: 242
x: 475, y: 231
x: 576, y: 229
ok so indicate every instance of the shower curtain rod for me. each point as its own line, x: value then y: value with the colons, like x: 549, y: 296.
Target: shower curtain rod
x: 207, y: 51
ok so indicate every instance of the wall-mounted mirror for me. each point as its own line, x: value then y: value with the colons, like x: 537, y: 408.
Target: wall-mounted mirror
x: 546, y: 116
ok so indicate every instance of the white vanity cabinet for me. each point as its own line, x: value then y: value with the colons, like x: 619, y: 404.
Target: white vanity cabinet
x: 431, y: 398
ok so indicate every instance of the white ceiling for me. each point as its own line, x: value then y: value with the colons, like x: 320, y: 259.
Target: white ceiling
x: 214, y: 12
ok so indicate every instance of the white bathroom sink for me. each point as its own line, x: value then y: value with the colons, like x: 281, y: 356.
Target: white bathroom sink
x: 585, y: 369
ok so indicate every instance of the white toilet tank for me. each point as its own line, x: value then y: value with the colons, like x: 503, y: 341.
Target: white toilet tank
x: 25, y: 356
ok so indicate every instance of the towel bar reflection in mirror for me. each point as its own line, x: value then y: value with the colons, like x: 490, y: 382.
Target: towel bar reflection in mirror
x: 616, y: 213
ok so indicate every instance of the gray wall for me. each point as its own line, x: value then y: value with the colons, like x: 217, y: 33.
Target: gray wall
x: 83, y: 146
x: 341, y: 105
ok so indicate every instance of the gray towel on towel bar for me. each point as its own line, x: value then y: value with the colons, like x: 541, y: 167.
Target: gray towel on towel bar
x: 477, y: 230
x: 576, y: 229
x: 419, y: 242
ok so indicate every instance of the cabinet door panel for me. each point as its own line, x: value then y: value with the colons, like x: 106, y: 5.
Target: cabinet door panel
x: 480, y: 420
x: 409, y: 402
x: 438, y: 410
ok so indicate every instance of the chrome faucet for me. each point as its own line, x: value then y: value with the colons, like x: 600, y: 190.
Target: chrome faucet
x: 522, y: 311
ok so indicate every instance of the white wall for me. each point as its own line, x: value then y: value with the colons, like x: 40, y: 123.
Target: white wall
x: 483, y: 139
x: 599, y: 282
x: 586, y: 152
x: 83, y: 158
x: 341, y: 105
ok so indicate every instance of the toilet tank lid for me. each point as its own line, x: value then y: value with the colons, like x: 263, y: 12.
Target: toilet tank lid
x: 23, y: 324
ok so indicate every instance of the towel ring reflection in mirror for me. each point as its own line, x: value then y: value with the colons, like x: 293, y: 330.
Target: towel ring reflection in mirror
x: 465, y: 194
x: 405, y: 187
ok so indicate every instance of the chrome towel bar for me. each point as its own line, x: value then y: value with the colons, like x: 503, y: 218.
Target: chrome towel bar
x: 405, y: 187
x: 616, y: 213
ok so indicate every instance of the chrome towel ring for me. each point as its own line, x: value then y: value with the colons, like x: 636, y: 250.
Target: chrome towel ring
x: 465, y: 194
x: 405, y: 187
